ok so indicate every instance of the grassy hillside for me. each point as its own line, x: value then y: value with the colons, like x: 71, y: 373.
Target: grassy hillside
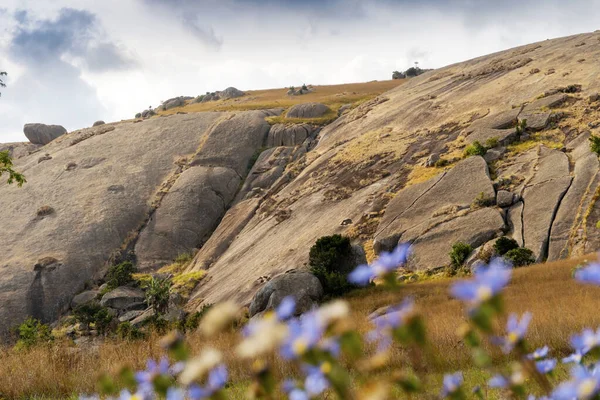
x: 560, y: 307
x: 332, y: 95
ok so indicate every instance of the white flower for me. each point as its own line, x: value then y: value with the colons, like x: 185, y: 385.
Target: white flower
x: 218, y: 318
x: 197, y: 368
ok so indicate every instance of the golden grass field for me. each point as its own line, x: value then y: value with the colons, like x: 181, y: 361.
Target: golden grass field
x: 332, y: 95
x: 560, y: 307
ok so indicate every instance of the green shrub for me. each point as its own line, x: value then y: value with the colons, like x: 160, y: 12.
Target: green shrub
x: 505, y: 244
x: 120, y: 274
x: 126, y: 331
x: 482, y: 201
x: 157, y: 294
x: 442, y: 162
x: 520, y: 257
x: 184, y: 258
x: 595, y: 144
x: 492, y: 142
x: 192, y: 321
x: 93, y: 313
x: 475, y: 149
x: 459, y: 253
x: 330, y: 260
x: 33, y: 332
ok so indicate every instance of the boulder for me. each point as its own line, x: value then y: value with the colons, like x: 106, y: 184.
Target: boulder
x: 303, y: 286
x: 432, y: 159
x: 536, y: 121
x: 418, y: 208
x: 551, y: 101
x: 141, y: 319
x: 173, y: 103
x: 288, y: 134
x: 42, y: 133
x: 494, y: 154
x: 84, y: 297
x: 122, y: 297
x: 230, y: 93
x: 504, y: 198
x: 148, y: 113
x: 308, y: 110
x: 98, y: 123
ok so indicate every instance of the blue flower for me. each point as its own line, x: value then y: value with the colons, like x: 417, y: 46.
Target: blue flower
x: 217, y: 378
x: 586, y: 341
x: 362, y: 275
x: 386, y: 263
x: 452, y: 383
x: 545, y: 366
x: 515, y: 331
x: 175, y: 394
x: 298, y: 394
x: 153, y: 369
x: 316, y: 382
x: 395, y: 317
x: 584, y: 385
x: 304, y: 334
x: 589, y: 274
x: 573, y: 358
x: 498, y: 381
x: 539, y: 353
x: 488, y: 282
x: 286, y: 308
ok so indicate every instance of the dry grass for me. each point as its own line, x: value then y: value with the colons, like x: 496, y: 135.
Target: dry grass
x: 332, y: 95
x: 559, y: 304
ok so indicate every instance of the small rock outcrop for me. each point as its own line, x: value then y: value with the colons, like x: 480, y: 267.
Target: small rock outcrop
x: 504, y: 198
x: 289, y: 134
x: 42, y: 133
x: 98, y: 123
x: 172, y: 103
x: 308, y: 110
x: 303, y: 286
x: 122, y: 298
x: 230, y: 93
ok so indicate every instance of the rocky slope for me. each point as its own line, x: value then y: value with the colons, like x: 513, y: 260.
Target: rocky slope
x: 151, y: 190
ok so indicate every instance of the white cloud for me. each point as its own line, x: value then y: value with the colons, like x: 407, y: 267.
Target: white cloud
x: 252, y: 45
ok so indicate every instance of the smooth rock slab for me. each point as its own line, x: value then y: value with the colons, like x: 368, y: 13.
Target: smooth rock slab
x: 415, y: 209
x: 476, y: 228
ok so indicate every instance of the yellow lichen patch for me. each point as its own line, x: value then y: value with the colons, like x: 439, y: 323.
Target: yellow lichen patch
x: 369, y: 251
x: 185, y: 283
x: 551, y: 141
x: 420, y: 174
x: 142, y: 279
x: 377, y: 143
x: 329, y: 117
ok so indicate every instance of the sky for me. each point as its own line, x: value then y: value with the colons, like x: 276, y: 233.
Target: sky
x: 72, y: 62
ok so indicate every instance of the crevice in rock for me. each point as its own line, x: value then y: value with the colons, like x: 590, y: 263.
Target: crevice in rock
x: 546, y: 244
